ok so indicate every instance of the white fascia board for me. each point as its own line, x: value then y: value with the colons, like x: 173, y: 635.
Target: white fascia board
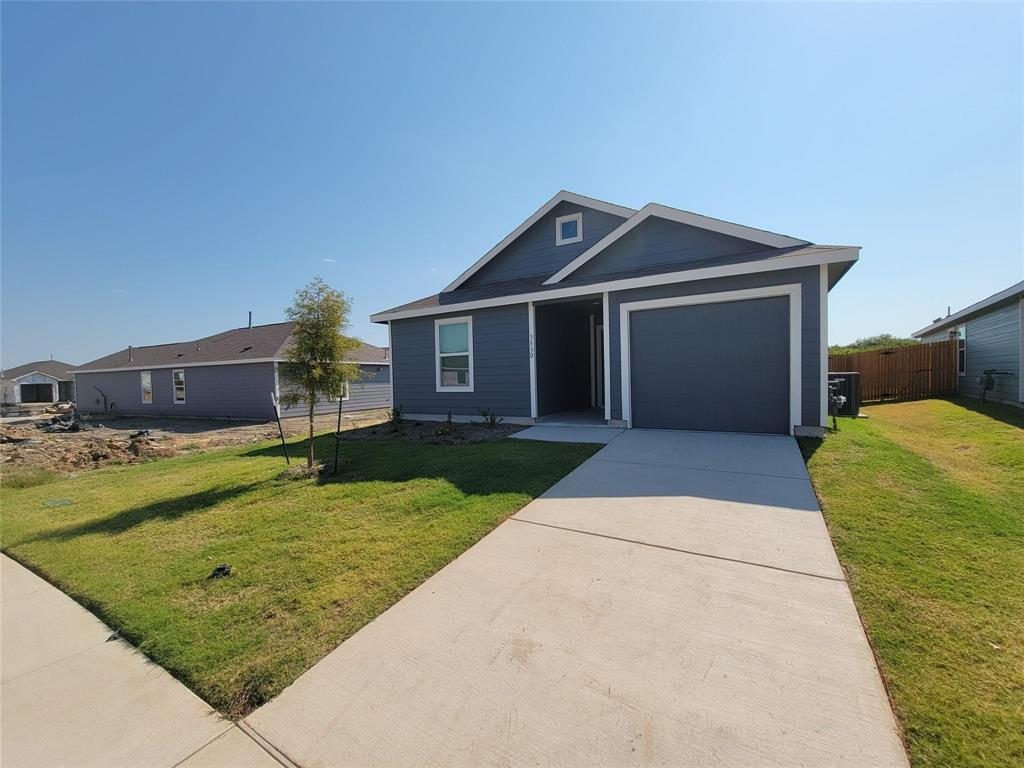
x: 682, y: 217
x: 175, y: 366
x: 976, y: 307
x: 562, y: 196
x: 686, y: 276
x: 38, y: 373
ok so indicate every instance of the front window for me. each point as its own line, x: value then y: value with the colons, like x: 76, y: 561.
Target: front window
x: 454, y: 345
x: 146, y: 381
x: 569, y: 229
x: 179, y: 386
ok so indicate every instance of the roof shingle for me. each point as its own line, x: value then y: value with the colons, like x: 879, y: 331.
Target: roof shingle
x: 239, y: 345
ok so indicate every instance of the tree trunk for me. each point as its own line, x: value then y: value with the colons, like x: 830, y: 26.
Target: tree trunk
x: 309, y: 453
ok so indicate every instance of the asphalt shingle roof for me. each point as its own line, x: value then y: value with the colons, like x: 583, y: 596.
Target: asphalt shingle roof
x: 54, y: 368
x: 260, y: 342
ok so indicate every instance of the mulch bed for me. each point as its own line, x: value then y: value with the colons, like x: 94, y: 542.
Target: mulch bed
x: 437, y: 432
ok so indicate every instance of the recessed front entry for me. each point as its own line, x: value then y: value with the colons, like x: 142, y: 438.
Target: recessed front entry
x: 722, y: 366
x: 570, y: 358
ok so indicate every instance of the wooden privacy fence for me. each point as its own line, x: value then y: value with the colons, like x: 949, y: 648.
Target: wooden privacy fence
x: 902, y: 373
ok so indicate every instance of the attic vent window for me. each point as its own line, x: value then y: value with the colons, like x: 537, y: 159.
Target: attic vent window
x: 569, y: 229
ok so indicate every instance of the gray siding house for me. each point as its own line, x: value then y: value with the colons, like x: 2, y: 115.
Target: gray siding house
x: 228, y: 375
x: 590, y: 312
x: 990, y: 339
x: 44, y: 381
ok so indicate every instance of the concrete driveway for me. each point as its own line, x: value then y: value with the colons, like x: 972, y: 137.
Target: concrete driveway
x: 674, y: 601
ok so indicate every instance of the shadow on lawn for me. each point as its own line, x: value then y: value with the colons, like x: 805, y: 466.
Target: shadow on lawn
x: 168, y: 509
x: 1008, y: 414
x: 476, y: 469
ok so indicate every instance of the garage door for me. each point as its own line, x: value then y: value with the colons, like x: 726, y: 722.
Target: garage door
x: 722, y: 367
x: 37, y: 393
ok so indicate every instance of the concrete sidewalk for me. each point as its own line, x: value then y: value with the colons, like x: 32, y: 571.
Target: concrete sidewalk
x: 674, y: 601
x: 71, y: 696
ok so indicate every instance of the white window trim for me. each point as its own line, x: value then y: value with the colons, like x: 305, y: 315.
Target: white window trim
x: 346, y: 393
x: 771, y: 239
x: 174, y: 388
x: 559, y: 220
x: 437, y: 353
x: 561, y: 197
x: 795, y: 332
x: 142, y: 388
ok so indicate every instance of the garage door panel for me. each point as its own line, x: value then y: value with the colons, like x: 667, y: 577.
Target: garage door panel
x: 722, y: 366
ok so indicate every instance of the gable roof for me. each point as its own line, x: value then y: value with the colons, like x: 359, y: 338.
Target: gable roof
x: 764, y: 261
x: 1014, y: 291
x: 752, y: 234
x: 54, y: 368
x: 260, y: 343
x: 561, y: 196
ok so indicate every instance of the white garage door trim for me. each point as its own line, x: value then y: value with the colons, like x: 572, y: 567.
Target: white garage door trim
x: 795, y: 331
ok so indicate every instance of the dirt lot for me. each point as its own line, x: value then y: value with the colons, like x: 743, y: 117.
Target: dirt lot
x: 118, y: 440
x: 110, y: 441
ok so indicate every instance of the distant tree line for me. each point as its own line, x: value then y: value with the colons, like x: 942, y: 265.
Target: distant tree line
x: 871, y: 344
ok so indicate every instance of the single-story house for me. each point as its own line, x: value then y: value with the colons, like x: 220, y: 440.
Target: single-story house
x: 44, y: 381
x: 654, y: 318
x: 233, y: 374
x: 990, y: 338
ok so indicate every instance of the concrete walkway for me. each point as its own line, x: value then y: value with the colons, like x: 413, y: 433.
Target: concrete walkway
x: 71, y: 696
x: 674, y: 601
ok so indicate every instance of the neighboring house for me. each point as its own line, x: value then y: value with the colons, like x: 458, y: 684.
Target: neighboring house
x: 45, y: 381
x: 654, y: 318
x: 228, y: 375
x: 990, y: 338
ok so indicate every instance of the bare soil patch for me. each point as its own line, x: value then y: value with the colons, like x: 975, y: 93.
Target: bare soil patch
x: 107, y: 440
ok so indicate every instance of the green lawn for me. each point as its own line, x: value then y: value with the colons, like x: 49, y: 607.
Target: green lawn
x: 313, y: 562
x: 925, y: 503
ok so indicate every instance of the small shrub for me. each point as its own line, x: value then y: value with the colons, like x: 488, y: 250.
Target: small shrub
x: 395, y: 418
x: 490, y: 418
x: 448, y: 427
x: 26, y: 477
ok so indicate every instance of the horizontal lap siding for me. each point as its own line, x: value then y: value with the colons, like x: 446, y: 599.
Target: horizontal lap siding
x: 371, y: 392
x: 224, y: 391
x: 993, y: 341
x: 807, y: 277
x: 501, y: 365
x: 534, y: 252
x: 662, y: 242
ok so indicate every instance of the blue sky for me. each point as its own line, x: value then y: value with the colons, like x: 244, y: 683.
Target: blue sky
x: 169, y: 167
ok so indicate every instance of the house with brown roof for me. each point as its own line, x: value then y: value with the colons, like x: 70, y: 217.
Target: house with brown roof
x: 233, y: 374
x: 44, y: 381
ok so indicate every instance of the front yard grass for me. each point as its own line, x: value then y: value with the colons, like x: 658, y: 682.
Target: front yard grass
x: 925, y: 503
x: 312, y: 562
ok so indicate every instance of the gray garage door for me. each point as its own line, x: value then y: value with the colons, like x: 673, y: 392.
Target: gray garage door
x: 722, y: 367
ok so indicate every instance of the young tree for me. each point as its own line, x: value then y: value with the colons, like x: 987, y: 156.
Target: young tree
x: 318, y: 356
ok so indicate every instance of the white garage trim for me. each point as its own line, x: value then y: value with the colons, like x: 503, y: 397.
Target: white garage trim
x: 607, y: 340
x: 533, y: 359
x: 823, y: 332
x: 792, y: 291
